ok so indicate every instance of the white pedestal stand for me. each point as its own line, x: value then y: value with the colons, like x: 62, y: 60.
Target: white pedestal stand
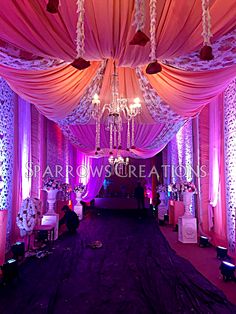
x: 51, y: 218
x: 187, y: 224
x: 162, y: 208
x: 78, y: 208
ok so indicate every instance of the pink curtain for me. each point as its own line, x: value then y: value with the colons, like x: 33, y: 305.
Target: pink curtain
x: 217, y: 206
x: 38, y: 151
x: 144, y: 137
x: 204, y: 162
x: 96, y: 178
x: 212, y: 201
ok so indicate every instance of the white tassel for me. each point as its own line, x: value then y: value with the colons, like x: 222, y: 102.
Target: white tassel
x: 139, y: 15
x: 206, y: 23
x: 80, y: 37
x: 153, y: 15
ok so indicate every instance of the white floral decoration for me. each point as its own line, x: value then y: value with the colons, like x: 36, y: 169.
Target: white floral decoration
x: 27, y: 216
x: 10, y: 57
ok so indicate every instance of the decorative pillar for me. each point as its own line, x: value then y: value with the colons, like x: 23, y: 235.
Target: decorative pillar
x: 78, y: 208
x: 187, y: 232
x: 230, y: 162
x: 7, y: 102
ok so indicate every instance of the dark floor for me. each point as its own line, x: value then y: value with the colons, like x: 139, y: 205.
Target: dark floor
x: 134, y: 272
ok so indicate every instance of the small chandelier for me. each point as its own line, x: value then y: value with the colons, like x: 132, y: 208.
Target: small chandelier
x: 118, y: 110
x: 118, y: 160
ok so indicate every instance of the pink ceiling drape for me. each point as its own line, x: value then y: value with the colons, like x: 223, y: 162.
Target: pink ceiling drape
x: 108, y: 28
x: 55, y: 92
x: 188, y: 92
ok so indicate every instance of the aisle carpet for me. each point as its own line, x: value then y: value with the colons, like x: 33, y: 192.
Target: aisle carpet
x: 135, y: 272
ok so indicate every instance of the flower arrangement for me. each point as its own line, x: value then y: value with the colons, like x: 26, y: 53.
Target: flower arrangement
x: 51, y: 184
x: 66, y: 190
x: 174, y: 187
x: 161, y: 188
x: 182, y: 187
x: 28, y: 214
x: 80, y: 188
x: 66, y: 187
x: 189, y: 187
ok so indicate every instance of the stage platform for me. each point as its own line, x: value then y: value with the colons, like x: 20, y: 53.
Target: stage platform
x: 119, y: 203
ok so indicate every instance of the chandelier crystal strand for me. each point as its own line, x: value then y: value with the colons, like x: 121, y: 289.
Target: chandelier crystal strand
x: 128, y: 134
x: 98, y: 135
x: 111, y: 134
x: 206, y: 23
x: 139, y: 19
x: 115, y: 143
x: 119, y: 136
x: 153, y: 15
x: 80, y: 29
x: 132, y: 132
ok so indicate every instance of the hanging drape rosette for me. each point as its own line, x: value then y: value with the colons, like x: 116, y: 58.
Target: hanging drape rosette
x: 80, y: 63
x: 153, y: 67
x: 140, y: 38
x: 52, y: 6
x: 206, y: 51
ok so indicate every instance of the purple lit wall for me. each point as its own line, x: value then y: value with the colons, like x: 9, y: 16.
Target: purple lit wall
x: 230, y: 162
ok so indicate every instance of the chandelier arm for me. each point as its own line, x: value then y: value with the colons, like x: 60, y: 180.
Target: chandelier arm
x: 126, y: 112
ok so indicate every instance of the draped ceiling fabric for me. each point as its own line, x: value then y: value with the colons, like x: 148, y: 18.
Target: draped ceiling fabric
x: 36, y: 48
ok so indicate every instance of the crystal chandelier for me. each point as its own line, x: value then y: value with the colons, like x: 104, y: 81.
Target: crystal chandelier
x: 118, y: 160
x: 115, y: 113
